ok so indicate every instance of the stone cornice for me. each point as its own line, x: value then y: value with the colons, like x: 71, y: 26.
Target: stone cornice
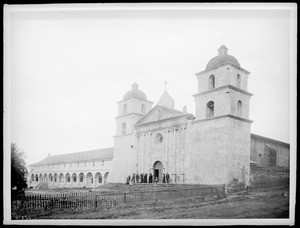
x: 166, y: 128
x: 133, y: 113
x: 135, y: 99
x: 224, y: 87
x: 128, y: 134
x: 225, y: 116
x: 237, y: 67
x: 158, y: 107
x: 162, y: 120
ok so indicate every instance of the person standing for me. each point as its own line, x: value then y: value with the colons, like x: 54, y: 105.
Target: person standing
x: 128, y: 179
x: 142, y: 178
x: 133, y: 178
x: 156, y: 179
x: 137, y: 178
x: 167, y: 177
x: 145, y: 178
x: 164, y: 178
x: 150, y: 178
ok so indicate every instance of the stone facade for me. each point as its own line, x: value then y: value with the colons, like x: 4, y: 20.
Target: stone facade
x: 218, y: 151
x: 269, y: 152
x: 213, y: 147
x: 162, y: 141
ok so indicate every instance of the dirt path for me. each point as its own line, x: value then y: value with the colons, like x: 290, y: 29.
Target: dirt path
x: 268, y: 203
x: 261, y: 204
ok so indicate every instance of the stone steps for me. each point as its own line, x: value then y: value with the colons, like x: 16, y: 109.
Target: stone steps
x: 145, y: 187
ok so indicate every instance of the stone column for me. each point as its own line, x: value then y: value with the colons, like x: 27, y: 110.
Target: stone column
x: 166, y: 151
x: 142, y: 151
x: 77, y: 180
x: 150, y: 154
x: 84, y: 180
x: 183, y: 153
x: 71, y: 180
x: 94, y: 181
x: 175, y: 153
x: 136, y: 150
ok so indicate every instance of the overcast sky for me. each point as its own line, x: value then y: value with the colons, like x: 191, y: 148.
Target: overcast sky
x: 68, y: 68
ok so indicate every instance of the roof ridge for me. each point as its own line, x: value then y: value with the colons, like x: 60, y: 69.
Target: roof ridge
x: 75, y: 156
x: 82, y: 151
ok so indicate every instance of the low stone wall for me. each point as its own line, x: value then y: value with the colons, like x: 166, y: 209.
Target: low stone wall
x: 259, y: 173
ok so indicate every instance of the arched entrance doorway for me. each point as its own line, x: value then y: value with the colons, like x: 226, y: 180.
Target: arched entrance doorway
x: 158, y: 170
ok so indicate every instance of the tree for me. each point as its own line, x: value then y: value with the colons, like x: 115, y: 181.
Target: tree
x: 18, y: 170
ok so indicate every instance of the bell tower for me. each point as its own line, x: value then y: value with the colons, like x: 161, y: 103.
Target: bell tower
x: 131, y: 109
x: 222, y: 116
x: 222, y: 88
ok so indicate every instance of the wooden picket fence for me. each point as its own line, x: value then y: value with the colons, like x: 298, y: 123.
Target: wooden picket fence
x: 107, y: 201
x: 74, y: 201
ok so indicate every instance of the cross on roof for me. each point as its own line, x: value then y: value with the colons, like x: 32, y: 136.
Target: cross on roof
x: 165, y: 85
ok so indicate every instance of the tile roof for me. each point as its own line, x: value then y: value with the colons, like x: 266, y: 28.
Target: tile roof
x: 91, y: 155
x: 254, y: 136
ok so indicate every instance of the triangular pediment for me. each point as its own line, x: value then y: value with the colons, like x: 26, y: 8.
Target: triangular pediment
x: 159, y: 113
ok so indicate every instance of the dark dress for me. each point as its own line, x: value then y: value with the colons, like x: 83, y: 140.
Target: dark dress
x: 142, y: 178
x: 137, y: 178
x: 128, y: 179
x: 145, y: 178
x: 150, y: 178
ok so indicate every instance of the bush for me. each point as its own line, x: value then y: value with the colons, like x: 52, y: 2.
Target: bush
x: 18, y: 172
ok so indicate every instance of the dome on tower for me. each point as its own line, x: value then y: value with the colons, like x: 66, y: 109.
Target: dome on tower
x: 135, y: 93
x: 221, y: 59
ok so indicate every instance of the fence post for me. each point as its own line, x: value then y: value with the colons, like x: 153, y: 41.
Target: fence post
x: 96, y: 201
x: 51, y: 202
x: 40, y: 202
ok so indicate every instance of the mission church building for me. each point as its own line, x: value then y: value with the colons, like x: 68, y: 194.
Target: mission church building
x: 214, y: 146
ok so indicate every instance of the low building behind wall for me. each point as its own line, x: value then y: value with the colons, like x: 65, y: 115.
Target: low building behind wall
x: 269, y: 152
x: 82, y: 169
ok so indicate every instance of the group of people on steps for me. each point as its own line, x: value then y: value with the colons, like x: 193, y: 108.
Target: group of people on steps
x: 145, y: 178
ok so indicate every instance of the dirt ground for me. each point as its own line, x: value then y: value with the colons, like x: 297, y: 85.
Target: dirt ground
x: 267, y: 203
